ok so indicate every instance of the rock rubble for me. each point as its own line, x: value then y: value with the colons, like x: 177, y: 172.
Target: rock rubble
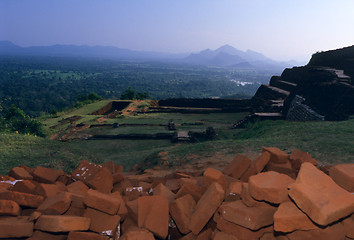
x: 276, y: 196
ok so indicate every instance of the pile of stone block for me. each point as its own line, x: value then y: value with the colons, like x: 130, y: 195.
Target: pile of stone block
x: 275, y: 196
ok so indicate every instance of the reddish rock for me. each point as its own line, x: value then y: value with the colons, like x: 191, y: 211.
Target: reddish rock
x: 101, y: 201
x: 205, y: 235
x: 173, y: 184
x: 46, y: 175
x: 128, y: 224
x: 224, y: 236
x: 5, y: 186
x: 343, y: 175
x: 75, y: 211
x: 86, y: 236
x: 273, y: 236
x: 23, y: 199
x: 119, y: 168
x: 248, y: 200
x: 298, y: 157
x: 320, y: 197
x: 284, y: 168
x: 289, y: 218
x: 253, y: 218
x: 110, y: 166
x: 162, y: 190
x: 242, y: 233
x: 59, y: 223
x: 20, y: 173
x: 153, y: 214
x: 348, y: 224
x: 190, y: 187
x: 39, y: 235
x: 55, y: 205
x: 77, y: 200
x: 189, y: 236
x: 181, y: 211
x: 47, y: 190
x: 133, y: 193
x: 138, y: 233
x: 78, y: 187
x: 101, y: 222
x: 214, y: 175
x: 332, y: 232
x: 25, y: 186
x: 277, y: 155
x: 132, y: 207
x: 13, y: 227
x: 233, y: 192
x: 117, y: 178
x: 206, y: 207
x: 9, y: 207
x: 262, y: 161
x: 249, y: 172
x: 237, y: 166
x: 270, y: 186
x: 123, y: 210
x: 34, y: 216
x: 95, y: 176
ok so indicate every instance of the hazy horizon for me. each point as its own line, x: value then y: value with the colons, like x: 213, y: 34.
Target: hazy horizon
x: 284, y: 30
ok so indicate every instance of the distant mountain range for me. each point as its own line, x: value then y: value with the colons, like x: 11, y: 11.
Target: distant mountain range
x: 225, y: 56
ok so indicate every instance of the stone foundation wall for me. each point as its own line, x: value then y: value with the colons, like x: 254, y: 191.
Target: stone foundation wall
x: 301, y: 112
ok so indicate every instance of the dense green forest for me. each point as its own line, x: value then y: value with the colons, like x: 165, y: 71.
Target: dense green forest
x: 40, y: 85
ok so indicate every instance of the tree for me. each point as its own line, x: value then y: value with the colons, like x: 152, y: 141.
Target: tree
x: 131, y: 94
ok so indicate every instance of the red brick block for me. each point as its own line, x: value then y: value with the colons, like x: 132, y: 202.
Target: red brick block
x: 34, y: 216
x: 13, y: 227
x: 117, y: 178
x: 55, y: 205
x: 262, y: 161
x: 162, y: 190
x: 270, y: 186
x: 224, y: 236
x: 248, y: 200
x: 77, y: 200
x: 242, y: 233
x: 332, y: 232
x: 47, y: 190
x: 181, y: 211
x: 46, y: 175
x: 298, y: 157
x: 86, y: 236
x: 284, y: 168
x: 95, y: 176
x: 132, y: 207
x: 9, y: 207
x: 249, y: 172
x: 153, y: 214
x: 102, y: 223
x: 20, y: 173
x: 277, y: 155
x: 25, y: 186
x: 320, y: 197
x: 233, y: 191
x: 206, y: 207
x: 59, y: 223
x: 348, y: 224
x: 289, y: 218
x: 101, y: 201
x: 205, y: 235
x: 39, y: 235
x: 253, y: 218
x: 123, y: 210
x: 78, y: 187
x: 110, y: 166
x: 173, y: 184
x: 237, y: 166
x: 192, y: 188
x: 138, y: 233
x: 119, y: 168
x: 343, y: 175
x: 75, y: 211
x: 23, y: 199
x: 214, y: 175
x: 273, y: 236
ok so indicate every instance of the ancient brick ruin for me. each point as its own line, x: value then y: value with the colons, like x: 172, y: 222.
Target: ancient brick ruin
x: 275, y: 196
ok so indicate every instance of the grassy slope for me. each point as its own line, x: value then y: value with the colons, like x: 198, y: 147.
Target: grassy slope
x: 329, y: 142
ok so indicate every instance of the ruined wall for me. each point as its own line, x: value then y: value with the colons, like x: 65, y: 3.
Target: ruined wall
x: 298, y: 111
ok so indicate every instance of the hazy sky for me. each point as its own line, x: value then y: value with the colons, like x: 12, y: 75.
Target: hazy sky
x: 280, y: 29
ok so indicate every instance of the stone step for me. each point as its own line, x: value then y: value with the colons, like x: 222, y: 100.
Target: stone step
x: 287, y: 86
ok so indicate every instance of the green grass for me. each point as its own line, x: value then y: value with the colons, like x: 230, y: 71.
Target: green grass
x: 328, y: 142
